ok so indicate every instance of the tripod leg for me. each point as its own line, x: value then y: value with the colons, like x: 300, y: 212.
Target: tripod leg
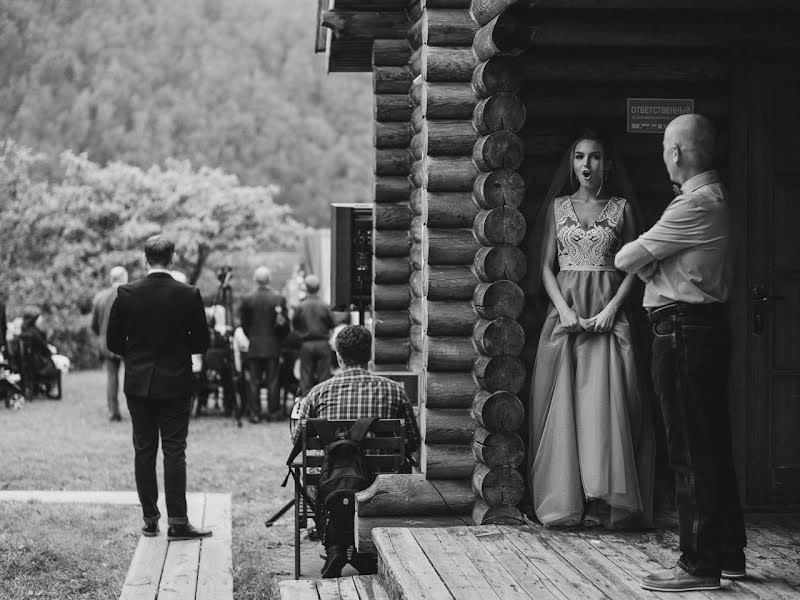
x: 271, y: 521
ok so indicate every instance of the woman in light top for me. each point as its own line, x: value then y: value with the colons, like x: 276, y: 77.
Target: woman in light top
x: 592, y: 450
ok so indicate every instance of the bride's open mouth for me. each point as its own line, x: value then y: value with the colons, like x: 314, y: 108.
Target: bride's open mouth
x: 586, y: 173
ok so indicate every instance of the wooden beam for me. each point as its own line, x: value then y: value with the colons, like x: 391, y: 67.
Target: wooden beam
x: 444, y: 173
x: 503, y: 187
x: 392, y: 107
x: 495, y: 373
x: 390, y: 53
x: 391, y: 297
x: 443, y: 64
x: 483, y: 11
x: 390, y: 351
x: 451, y: 209
x: 498, y: 411
x: 499, y: 336
x: 450, y: 353
x: 502, y: 298
x: 391, y: 135
x: 501, y: 111
x: 506, y: 33
x: 391, y: 216
x: 390, y: 243
x: 499, y: 74
x: 499, y: 150
x: 450, y: 318
x: 392, y: 162
x: 450, y: 282
x: 444, y: 100
x: 451, y: 246
x: 444, y: 138
x: 412, y: 495
x: 391, y: 80
x: 363, y: 24
x: 454, y: 389
x: 498, y: 486
x: 392, y: 189
x: 448, y: 426
x: 391, y: 323
x: 495, y: 448
x: 500, y: 262
x: 448, y: 461
x: 365, y: 525
x: 442, y: 27
x: 500, y: 225
x: 391, y: 270
x: 483, y: 514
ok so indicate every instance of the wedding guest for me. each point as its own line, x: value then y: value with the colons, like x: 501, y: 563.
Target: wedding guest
x: 592, y: 446
x: 265, y: 323
x: 313, y: 322
x: 101, y: 309
x: 685, y: 258
x: 156, y: 324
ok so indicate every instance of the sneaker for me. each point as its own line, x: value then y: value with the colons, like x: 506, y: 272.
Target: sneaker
x: 150, y: 529
x: 186, y: 531
x: 678, y: 580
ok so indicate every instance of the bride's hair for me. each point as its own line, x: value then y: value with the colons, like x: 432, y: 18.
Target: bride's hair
x: 565, y: 182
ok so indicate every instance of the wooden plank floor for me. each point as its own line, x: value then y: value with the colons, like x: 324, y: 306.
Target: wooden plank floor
x: 345, y: 588
x: 186, y: 570
x: 533, y: 563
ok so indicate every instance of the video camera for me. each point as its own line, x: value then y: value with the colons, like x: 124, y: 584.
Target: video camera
x: 224, y: 275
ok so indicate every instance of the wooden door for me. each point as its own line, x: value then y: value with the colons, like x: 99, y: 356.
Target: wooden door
x: 773, y: 287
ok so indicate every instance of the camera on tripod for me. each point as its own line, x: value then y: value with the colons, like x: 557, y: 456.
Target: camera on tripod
x: 224, y: 275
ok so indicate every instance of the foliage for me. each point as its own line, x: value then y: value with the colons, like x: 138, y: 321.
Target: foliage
x: 59, y: 240
x: 228, y: 83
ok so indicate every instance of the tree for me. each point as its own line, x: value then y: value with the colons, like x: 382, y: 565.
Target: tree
x: 58, y: 241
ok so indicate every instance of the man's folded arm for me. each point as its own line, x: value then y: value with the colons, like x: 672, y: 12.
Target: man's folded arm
x: 633, y: 257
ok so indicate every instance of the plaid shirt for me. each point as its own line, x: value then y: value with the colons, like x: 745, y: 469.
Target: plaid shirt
x: 355, y: 392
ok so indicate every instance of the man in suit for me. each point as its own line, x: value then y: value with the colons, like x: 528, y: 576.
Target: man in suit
x: 101, y: 309
x: 264, y: 320
x: 313, y: 322
x: 156, y: 324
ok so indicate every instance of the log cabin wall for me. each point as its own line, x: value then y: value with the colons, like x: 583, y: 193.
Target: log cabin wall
x: 443, y: 246
x: 391, y: 212
x: 499, y: 264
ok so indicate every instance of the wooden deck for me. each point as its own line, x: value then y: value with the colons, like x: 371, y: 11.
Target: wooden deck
x: 345, y: 588
x: 186, y: 570
x: 532, y: 563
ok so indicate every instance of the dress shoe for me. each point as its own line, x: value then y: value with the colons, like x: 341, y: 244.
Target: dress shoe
x: 678, y: 580
x: 150, y: 529
x: 186, y: 531
x: 334, y: 563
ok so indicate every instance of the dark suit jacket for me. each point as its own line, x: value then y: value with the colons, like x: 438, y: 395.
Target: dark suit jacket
x: 313, y: 319
x: 257, y: 317
x: 156, y: 324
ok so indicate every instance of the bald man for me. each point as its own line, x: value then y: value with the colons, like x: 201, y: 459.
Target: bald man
x: 101, y: 309
x: 685, y: 260
x: 264, y: 320
x: 313, y: 322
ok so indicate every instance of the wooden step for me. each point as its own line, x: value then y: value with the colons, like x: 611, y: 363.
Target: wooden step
x: 344, y: 588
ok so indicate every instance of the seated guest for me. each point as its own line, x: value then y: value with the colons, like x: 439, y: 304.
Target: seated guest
x: 353, y: 393
x: 33, y: 335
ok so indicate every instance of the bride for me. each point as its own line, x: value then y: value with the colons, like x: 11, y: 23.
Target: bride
x: 592, y: 450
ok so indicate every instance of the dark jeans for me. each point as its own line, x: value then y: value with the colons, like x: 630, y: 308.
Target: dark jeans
x: 266, y: 368
x: 315, y: 364
x: 691, y: 350
x: 112, y: 365
x: 170, y: 419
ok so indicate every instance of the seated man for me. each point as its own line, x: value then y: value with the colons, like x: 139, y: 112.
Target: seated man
x: 352, y: 393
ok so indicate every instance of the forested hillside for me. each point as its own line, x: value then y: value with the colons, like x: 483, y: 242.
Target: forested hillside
x: 233, y: 84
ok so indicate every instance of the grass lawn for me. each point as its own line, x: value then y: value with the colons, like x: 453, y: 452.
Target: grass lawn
x: 71, y: 445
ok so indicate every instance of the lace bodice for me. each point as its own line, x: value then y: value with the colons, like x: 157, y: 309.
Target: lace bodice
x: 589, y: 248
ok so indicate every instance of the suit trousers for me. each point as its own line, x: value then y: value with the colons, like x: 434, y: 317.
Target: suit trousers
x: 266, y: 369
x: 315, y: 364
x: 168, y: 418
x: 112, y: 365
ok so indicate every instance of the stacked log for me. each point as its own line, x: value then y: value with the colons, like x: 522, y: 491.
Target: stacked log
x: 391, y: 210
x: 443, y: 242
x: 499, y: 226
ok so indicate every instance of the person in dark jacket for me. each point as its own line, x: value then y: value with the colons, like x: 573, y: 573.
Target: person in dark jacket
x: 313, y: 322
x: 264, y: 320
x: 33, y: 336
x: 156, y: 324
